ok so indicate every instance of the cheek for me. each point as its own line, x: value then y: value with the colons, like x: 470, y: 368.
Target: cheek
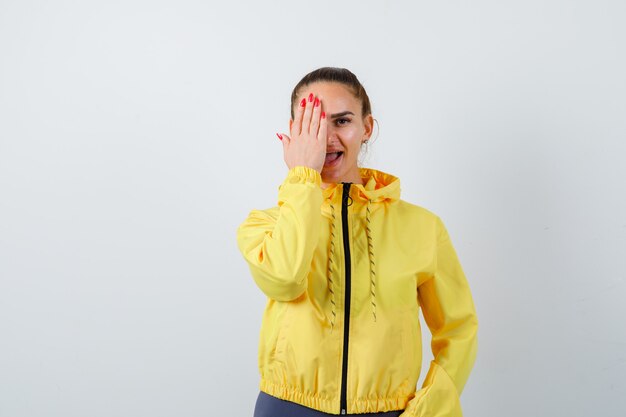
x: 352, y: 141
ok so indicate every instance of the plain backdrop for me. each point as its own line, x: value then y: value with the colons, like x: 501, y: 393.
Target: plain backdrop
x: 135, y: 136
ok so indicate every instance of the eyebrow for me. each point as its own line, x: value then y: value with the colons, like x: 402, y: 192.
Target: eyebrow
x: 343, y: 113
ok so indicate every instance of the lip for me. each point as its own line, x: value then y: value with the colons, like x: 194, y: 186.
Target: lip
x: 335, y: 162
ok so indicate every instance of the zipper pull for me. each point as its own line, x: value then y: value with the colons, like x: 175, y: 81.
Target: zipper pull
x: 343, y: 411
x: 346, y: 199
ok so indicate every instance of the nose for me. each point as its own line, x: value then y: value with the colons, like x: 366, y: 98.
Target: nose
x: 332, y: 142
x: 331, y: 131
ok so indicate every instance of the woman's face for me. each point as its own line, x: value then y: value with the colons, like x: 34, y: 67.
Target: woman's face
x: 346, y: 130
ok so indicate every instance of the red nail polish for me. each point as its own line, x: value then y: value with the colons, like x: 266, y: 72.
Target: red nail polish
x: 303, y: 102
x: 279, y: 136
x: 310, y: 97
x: 323, y: 115
x: 316, y: 103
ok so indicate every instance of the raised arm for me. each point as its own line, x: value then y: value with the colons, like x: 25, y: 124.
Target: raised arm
x: 279, y: 245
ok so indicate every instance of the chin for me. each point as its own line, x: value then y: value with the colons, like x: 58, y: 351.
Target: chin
x: 329, y: 176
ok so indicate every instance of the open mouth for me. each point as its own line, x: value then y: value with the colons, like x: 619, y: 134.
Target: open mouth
x: 332, y: 158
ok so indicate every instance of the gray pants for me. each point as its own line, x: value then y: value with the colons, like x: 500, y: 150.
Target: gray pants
x: 270, y: 406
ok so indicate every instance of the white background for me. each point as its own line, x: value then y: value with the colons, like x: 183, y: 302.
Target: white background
x: 135, y: 136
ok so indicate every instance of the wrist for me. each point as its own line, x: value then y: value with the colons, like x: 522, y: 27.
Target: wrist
x: 304, y: 174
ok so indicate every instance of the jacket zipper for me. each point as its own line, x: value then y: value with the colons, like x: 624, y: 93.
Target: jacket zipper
x: 346, y: 250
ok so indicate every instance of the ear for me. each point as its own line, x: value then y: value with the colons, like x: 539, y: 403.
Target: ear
x: 290, y: 123
x: 368, y: 122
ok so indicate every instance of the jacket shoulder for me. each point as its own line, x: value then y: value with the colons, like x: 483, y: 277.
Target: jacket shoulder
x: 418, y: 220
x: 416, y: 211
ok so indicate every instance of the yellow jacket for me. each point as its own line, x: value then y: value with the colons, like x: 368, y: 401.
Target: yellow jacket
x: 345, y: 270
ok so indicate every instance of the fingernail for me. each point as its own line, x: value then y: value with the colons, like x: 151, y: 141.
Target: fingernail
x: 310, y: 97
x: 323, y: 115
x: 279, y: 136
x: 316, y: 103
x: 303, y: 102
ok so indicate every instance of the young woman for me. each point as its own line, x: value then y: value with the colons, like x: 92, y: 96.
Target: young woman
x: 346, y: 265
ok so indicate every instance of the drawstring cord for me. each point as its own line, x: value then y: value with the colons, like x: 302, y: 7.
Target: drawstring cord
x: 331, y: 256
x: 370, y: 251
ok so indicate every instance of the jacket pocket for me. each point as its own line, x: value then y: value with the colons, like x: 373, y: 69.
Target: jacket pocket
x: 411, y: 344
x: 283, y: 323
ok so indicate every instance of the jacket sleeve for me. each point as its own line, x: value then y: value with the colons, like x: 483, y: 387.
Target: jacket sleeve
x: 449, y: 312
x: 279, y: 248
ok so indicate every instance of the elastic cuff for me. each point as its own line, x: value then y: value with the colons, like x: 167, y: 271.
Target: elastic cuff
x: 302, y: 174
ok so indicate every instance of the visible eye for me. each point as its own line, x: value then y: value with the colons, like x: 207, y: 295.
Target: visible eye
x: 342, y: 119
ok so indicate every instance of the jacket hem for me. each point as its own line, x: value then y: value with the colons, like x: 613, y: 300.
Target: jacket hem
x: 330, y: 406
x: 286, y: 392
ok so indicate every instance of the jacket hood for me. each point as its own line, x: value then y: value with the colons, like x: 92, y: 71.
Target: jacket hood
x: 378, y: 187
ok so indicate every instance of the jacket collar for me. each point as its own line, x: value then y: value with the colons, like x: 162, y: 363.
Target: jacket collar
x: 378, y: 186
